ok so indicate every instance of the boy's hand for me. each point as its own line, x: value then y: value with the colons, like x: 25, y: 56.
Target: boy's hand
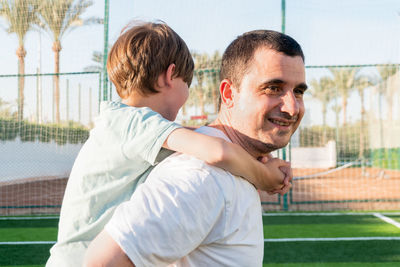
x: 280, y: 175
x: 287, y: 181
x: 268, y: 174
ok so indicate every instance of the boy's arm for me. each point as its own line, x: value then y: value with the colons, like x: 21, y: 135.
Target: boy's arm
x: 272, y: 176
x: 104, y: 251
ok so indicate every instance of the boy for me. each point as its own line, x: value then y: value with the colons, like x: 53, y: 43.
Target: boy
x: 151, y: 68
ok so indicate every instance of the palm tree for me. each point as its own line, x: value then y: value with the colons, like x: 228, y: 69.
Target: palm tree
x: 384, y: 90
x: 57, y: 17
x: 361, y: 83
x: 344, y: 79
x: 385, y: 72
x: 20, y: 16
x: 214, y: 68
x: 97, y: 58
x: 199, y: 92
x: 206, y: 75
x: 5, y: 109
x: 320, y: 89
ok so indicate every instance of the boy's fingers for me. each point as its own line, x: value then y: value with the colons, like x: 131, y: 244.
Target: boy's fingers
x: 263, y: 160
x: 286, y: 164
x: 283, y: 173
x: 285, y: 189
x: 288, y: 173
x: 286, y: 181
x: 266, y: 158
x: 281, y: 191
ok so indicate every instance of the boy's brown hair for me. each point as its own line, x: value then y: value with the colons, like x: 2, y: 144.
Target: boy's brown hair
x: 144, y: 51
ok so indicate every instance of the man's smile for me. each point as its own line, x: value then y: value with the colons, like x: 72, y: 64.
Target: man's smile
x: 283, y: 120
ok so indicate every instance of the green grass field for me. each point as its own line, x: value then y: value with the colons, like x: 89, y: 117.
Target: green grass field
x: 372, y: 248
x: 331, y: 253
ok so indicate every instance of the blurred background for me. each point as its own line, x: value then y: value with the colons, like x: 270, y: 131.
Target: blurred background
x: 345, y: 155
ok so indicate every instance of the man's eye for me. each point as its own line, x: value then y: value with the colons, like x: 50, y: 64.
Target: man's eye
x: 272, y: 88
x: 299, y: 92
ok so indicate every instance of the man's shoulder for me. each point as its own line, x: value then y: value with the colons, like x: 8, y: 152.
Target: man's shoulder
x: 188, y: 166
x: 189, y: 169
x: 184, y: 171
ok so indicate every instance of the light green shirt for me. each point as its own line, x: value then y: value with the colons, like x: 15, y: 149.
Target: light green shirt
x: 119, y: 154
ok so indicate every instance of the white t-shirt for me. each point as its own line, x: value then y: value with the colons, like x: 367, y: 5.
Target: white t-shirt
x: 188, y: 213
x: 120, y: 151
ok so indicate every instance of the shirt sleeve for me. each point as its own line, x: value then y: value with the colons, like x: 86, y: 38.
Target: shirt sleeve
x: 145, y: 134
x: 168, y: 217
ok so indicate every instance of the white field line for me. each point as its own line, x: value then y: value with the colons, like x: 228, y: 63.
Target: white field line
x: 330, y: 239
x: 26, y: 218
x: 325, y: 172
x: 387, y: 219
x: 325, y: 213
x: 28, y: 243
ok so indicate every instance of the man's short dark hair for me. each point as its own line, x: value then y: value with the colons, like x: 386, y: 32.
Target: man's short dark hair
x: 239, y: 54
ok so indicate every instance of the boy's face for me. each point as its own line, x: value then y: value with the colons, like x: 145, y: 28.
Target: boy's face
x: 179, y: 95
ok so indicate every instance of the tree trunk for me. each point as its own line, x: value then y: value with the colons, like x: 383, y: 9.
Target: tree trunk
x: 214, y: 91
x: 200, y: 95
x: 21, y: 53
x: 344, y: 103
x: 57, y: 48
x: 361, y: 154
x: 200, y: 79
x: 184, y: 113
x: 389, y: 100
x: 323, y: 124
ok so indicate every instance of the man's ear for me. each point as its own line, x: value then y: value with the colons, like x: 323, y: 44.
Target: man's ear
x: 226, y: 91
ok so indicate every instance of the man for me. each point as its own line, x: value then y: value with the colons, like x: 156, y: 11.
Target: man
x: 191, y: 214
x: 129, y: 134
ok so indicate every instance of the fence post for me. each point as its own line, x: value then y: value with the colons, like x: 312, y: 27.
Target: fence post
x: 90, y: 106
x: 285, y: 198
x: 100, y: 82
x: 79, y: 103
x: 283, y: 10
x: 67, y: 100
x: 105, y: 50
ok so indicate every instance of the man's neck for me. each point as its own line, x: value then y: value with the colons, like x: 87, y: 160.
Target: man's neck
x: 222, y: 123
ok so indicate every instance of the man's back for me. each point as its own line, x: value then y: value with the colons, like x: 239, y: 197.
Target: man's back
x: 209, y: 217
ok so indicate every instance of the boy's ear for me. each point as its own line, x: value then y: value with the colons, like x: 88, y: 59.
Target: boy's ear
x: 165, y: 78
x: 169, y: 74
x: 226, y: 91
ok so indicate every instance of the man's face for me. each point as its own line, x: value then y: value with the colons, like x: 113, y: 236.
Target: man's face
x: 268, y: 106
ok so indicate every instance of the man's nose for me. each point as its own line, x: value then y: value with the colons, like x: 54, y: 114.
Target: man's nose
x: 290, y: 104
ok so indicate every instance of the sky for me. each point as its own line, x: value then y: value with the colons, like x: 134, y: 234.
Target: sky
x: 331, y: 32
